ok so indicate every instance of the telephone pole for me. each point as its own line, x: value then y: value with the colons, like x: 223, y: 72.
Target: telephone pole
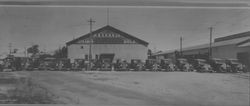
x: 90, y: 41
x: 210, y: 42
x: 181, y: 46
x: 25, y: 52
x: 10, y: 47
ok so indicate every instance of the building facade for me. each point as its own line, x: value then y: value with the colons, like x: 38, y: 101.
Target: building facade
x: 107, y: 42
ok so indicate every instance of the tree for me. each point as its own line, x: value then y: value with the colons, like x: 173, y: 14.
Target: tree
x: 33, y: 49
x: 61, y: 52
x: 43, y: 56
x: 149, y: 53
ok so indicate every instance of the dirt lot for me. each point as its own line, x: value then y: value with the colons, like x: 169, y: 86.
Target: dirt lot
x: 145, y: 88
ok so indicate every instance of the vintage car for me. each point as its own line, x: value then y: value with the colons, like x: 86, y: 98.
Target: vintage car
x: 97, y: 64
x: 236, y: 66
x: 63, y: 64
x: 106, y: 65
x: 1, y: 65
x: 122, y: 65
x: 184, y: 65
x: 152, y: 65
x: 8, y: 65
x: 11, y: 63
x: 48, y: 64
x: 168, y: 65
x: 202, y: 65
x: 220, y: 65
x: 136, y: 65
x: 79, y: 65
x: 31, y: 64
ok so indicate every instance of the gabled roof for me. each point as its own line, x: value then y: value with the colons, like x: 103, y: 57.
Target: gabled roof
x: 110, y: 28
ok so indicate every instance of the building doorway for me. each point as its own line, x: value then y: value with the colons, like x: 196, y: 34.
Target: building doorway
x: 107, y: 57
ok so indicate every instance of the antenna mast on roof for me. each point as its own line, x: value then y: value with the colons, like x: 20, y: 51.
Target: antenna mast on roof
x: 107, y: 16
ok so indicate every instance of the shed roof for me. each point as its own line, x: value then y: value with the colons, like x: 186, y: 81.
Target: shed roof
x: 237, y: 41
x: 234, y: 36
x: 221, y: 43
x: 244, y: 43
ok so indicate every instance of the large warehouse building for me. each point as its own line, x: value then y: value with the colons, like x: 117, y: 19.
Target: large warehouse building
x: 235, y: 46
x: 108, y: 43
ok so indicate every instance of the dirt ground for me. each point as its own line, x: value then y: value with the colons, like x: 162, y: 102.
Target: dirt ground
x: 145, y: 88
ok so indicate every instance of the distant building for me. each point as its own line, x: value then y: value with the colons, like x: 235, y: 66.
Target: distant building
x: 235, y: 46
x: 108, y: 43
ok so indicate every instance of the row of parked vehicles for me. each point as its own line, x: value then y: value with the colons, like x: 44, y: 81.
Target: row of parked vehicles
x: 199, y: 65
x: 214, y: 65
x: 180, y: 64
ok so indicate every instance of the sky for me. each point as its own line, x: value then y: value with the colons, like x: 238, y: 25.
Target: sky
x: 51, y: 26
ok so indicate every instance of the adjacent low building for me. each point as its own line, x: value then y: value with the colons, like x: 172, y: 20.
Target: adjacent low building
x: 235, y: 46
x: 108, y: 43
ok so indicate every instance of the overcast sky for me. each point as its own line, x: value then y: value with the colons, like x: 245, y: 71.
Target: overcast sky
x: 51, y: 27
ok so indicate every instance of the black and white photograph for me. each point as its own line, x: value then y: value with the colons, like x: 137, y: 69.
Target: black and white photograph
x: 125, y: 52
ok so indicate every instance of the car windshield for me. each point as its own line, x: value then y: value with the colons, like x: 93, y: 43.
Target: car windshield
x: 202, y: 62
x: 183, y: 60
x: 167, y: 61
x: 234, y: 61
x: 219, y: 61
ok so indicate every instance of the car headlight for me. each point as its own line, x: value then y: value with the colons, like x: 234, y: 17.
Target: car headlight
x: 207, y: 67
x: 243, y: 66
x: 224, y: 66
x: 240, y: 66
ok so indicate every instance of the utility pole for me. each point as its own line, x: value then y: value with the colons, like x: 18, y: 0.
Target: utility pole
x: 210, y: 42
x: 59, y: 51
x: 181, y: 46
x: 25, y: 52
x: 90, y: 41
x: 10, y: 47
